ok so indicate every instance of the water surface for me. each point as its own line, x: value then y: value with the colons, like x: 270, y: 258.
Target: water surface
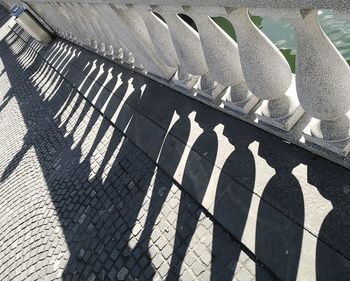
x: 282, y: 34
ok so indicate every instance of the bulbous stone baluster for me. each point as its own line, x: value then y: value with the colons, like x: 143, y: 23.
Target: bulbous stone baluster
x: 267, y: 73
x: 99, y: 27
x: 135, y: 25
x: 114, y: 47
x: 222, y: 58
x: 106, y: 14
x: 64, y: 22
x: 187, y: 44
x: 160, y: 35
x: 323, y: 84
x: 190, y: 54
x: 98, y: 43
x: 68, y: 12
x: 134, y: 33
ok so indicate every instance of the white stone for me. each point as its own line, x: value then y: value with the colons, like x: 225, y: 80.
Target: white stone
x: 323, y: 85
x: 160, y: 36
x: 266, y: 72
x: 187, y: 44
x: 133, y: 32
x: 223, y: 61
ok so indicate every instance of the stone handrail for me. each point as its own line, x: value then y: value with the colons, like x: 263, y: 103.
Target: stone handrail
x: 270, y: 4
x: 249, y: 79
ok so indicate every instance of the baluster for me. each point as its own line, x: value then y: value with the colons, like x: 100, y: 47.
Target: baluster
x: 108, y: 15
x: 115, y: 47
x: 190, y: 54
x: 323, y: 85
x: 71, y: 24
x: 128, y: 27
x: 124, y: 53
x: 159, y: 34
x: 95, y: 35
x: 102, y: 29
x: 69, y: 28
x: 222, y: 58
x: 78, y: 25
x: 267, y: 73
x: 81, y: 23
x: 134, y: 33
x: 99, y: 28
x: 59, y: 21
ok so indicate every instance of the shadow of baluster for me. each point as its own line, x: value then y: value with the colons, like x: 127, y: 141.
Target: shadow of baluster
x: 169, y: 159
x: 232, y: 204
x: 195, y: 180
x: 333, y: 183
x: 275, y: 240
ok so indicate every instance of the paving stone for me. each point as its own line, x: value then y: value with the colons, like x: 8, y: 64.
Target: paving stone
x: 113, y: 273
x: 149, y: 273
x: 186, y: 276
x: 163, y: 269
x: 161, y: 243
x: 102, y: 275
x: 197, y: 268
x: 167, y: 251
x: 115, y: 254
x: 92, y: 277
x: 157, y: 261
x: 244, y: 275
x: 122, y: 273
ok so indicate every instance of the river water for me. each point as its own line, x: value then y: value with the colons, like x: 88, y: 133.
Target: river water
x: 282, y: 33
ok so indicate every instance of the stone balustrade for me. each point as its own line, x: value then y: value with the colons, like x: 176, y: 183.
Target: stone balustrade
x: 249, y: 79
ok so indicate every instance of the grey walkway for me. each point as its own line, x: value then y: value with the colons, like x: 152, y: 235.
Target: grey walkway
x: 80, y: 201
x: 185, y: 192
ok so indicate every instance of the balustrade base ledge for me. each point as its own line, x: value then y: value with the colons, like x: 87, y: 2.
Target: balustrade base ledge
x: 341, y: 148
x: 187, y: 84
x: 241, y: 107
x: 212, y: 95
x: 287, y: 122
x: 284, y: 123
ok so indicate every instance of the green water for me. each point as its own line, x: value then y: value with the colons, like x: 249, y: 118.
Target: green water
x: 282, y: 34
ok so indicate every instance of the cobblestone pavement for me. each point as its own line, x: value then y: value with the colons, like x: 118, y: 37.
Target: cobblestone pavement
x: 75, y: 193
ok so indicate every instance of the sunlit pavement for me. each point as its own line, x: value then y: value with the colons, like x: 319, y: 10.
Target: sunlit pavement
x: 107, y: 175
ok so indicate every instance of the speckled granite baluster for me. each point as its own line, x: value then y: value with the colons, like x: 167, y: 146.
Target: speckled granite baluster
x: 323, y: 85
x: 267, y: 73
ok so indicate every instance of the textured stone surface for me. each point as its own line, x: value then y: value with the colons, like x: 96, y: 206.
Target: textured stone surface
x: 298, y: 210
x: 282, y: 4
x: 80, y: 201
x: 186, y: 42
x: 323, y: 93
x: 267, y: 73
x: 279, y: 113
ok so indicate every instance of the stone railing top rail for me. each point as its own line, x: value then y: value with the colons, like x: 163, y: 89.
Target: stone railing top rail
x: 275, y: 4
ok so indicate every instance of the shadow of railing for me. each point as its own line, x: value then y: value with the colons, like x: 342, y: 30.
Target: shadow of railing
x: 99, y: 201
